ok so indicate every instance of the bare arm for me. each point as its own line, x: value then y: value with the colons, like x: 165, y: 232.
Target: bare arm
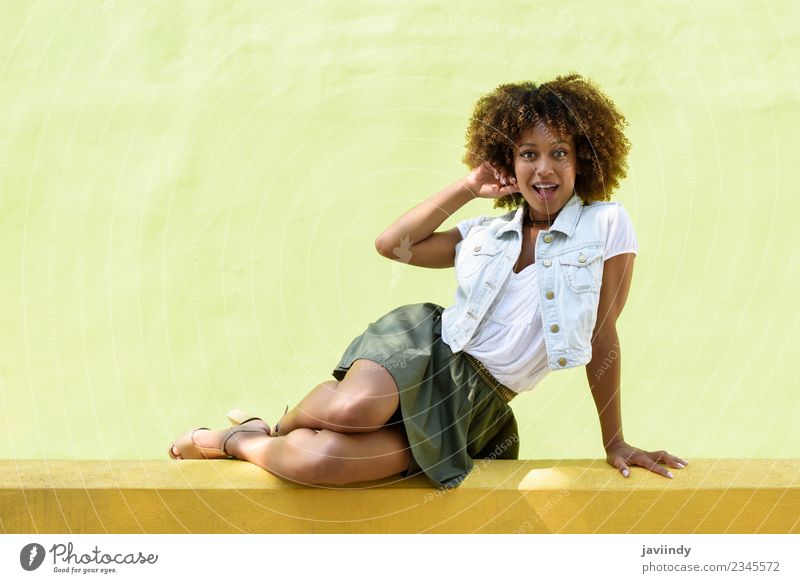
x: 411, y: 238
x: 605, y: 369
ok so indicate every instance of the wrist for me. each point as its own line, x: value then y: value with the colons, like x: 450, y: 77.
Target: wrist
x: 469, y: 187
x: 613, y: 443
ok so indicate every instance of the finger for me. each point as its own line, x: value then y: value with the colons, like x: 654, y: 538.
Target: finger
x: 619, y: 463
x: 676, y: 462
x: 644, y: 460
x: 667, y: 458
x: 656, y: 455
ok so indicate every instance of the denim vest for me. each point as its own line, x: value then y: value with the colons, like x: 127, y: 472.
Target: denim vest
x: 569, y: 266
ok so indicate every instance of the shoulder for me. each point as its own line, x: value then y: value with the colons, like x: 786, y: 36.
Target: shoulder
x: 606, y: 212
x: 503, y: 219
x: 489, y: 221
x: 466, y: 225
x: 602, y: 207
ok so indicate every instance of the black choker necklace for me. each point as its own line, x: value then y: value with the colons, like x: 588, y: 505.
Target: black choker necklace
x: 540, y: 222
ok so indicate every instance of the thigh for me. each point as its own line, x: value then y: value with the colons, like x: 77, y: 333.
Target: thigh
x: 368, y: 380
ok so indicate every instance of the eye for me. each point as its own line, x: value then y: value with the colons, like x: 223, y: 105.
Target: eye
x: 526, y: 156
x: 560, y: 153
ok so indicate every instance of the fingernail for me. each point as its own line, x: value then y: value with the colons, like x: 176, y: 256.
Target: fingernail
x: 669, y: 474
x: 680, y: 465
x: 625, y: 473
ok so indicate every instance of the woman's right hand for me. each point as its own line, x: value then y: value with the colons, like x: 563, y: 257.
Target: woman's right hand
x: 487, y: 182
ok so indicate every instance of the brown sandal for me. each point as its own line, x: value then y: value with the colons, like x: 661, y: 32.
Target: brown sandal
x: 188, y: 449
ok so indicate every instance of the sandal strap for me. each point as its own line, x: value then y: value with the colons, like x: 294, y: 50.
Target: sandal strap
x: 238, y: 429
x: 278, y: 424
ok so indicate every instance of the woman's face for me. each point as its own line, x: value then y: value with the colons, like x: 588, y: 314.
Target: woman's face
x: 545, y: 159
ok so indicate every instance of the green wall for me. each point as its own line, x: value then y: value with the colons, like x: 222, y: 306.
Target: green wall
x: 190, y: 192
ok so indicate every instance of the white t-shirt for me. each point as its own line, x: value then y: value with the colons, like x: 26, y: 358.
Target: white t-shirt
x: 509, y: 341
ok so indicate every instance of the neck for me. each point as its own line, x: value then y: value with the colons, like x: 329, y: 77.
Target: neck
x: 542, y: 221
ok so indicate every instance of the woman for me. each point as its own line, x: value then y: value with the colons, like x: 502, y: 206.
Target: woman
x: 426, y: 389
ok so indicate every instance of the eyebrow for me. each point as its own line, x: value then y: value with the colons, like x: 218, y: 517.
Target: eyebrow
x: 535, y: 146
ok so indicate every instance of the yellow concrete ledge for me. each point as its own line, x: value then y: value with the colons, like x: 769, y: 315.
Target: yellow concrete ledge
x: 566, y: 496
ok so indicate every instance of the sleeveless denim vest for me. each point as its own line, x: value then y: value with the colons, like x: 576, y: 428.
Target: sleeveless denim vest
x: 569, y: 266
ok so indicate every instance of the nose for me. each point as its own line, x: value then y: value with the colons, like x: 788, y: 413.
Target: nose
x: 543, y: 168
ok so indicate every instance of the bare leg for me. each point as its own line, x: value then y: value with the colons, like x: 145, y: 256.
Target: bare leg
x: 352, y: 444
x: 364, y: 400
x: 325, y: 457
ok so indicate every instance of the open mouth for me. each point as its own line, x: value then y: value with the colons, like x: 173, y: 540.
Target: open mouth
x: 546, y: 191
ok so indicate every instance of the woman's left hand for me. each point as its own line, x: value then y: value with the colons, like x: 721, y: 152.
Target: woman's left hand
x: 621, y: 454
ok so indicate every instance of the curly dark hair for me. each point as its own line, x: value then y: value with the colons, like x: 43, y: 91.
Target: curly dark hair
x: 570, y: 104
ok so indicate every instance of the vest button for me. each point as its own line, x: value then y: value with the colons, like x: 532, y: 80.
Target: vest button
x: 562, y: 361
x: 547, y: 238
x: 471, y: 315
x: 547, y: 263
x: 554, y: 328
x: 477, y: 248
x: 582, y: 258
x: 549, y: 295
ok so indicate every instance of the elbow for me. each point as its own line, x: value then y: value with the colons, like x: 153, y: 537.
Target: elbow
x: 381, y: 246
x: 392, y: 248
x: 605, y: 336
x: 605, y: 354
x: 385, y: 246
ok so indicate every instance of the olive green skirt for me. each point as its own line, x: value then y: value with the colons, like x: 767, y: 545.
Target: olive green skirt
x: 449, y: 412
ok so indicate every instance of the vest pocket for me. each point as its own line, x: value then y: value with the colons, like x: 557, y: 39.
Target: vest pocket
x: 584, y: 270
x: 471, y: 258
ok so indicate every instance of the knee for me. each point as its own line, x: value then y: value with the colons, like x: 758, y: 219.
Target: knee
x: 308, y: 471
x: 330, y: 468
x: 363, y: 413
x: 326, y: 465
x: 320, y: 470
x: 316, y: 463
